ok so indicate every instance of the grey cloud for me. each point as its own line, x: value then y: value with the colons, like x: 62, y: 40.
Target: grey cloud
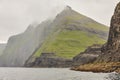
x: 16, y: 15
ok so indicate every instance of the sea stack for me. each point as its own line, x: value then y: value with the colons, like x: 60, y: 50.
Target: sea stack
x: 113, y: 44
x: 111, y: 50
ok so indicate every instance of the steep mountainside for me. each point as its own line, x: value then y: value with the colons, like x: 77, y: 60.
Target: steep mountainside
x: 67, y: 35
x: 2, y: 47
x: 73, y: 33
x: 20, y: 47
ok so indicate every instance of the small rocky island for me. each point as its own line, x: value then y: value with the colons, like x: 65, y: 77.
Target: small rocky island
x: 109, y: 58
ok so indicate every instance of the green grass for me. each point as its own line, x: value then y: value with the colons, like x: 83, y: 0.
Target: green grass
x: 97, y: 26
x: 67, y: 43
x: 86, y: 22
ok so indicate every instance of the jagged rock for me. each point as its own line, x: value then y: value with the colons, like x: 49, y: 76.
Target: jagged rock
x: 88, y: 56
x: 50, y: 60
x: 111, y: 50
x: 113, y: 43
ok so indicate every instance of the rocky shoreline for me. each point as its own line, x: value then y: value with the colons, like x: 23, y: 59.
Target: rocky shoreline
x: 88, y: 56
x: 52, y: 60
x: 99, y: 67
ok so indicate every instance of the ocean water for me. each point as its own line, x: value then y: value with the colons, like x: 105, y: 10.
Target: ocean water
x: 48, y: 74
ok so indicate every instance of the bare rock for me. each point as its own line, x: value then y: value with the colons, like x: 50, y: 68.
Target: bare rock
x: 111, y: 50
x: 50, y: 60
x: 89, y: 56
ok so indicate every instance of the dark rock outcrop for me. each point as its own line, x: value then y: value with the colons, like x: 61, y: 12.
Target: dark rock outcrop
x: 89, y: 56
x: 50, y: 60
x: 111, y: 50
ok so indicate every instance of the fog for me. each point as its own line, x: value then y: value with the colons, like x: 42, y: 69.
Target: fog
x: 16, y: 15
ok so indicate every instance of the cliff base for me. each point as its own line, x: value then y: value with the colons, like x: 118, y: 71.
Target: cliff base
x: 99, y: 67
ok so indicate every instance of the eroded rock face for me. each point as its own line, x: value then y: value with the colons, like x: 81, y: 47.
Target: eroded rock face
x: 111, y: 50
x: 50, y: 60
x: 113, y: 44
x: 89, y: 56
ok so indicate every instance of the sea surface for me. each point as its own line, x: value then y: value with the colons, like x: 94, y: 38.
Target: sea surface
x: 48, y: 74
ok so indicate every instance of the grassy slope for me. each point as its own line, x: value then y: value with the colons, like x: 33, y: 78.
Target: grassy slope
x: 92, y: 24
x: 69, y: 43
x: 97, y: 26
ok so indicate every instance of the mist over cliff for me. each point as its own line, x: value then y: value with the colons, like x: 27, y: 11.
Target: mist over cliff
x: 66, y: 25
x: 21, y: 46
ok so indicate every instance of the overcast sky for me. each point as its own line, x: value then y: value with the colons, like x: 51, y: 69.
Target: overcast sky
x: 16, y: 15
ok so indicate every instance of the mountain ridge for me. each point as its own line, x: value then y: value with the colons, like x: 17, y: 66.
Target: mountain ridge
x: 24, y: 43
x: 66, y: 32
x: 72, y: 33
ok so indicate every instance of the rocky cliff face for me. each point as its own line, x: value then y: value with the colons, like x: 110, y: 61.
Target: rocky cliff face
x: 50, y: 60
x: 88, y: 56
x: 20, y: 47
x: 111, y: 50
